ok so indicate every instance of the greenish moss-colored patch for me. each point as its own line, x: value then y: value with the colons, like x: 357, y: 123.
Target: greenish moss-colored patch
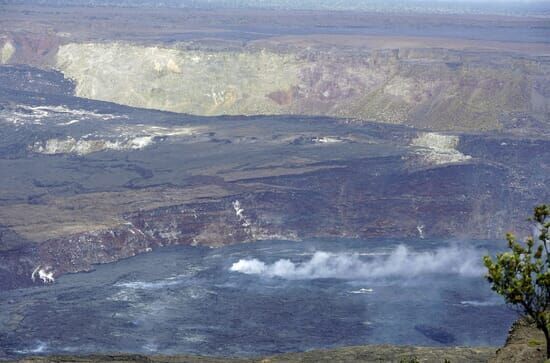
x: 534, y: 343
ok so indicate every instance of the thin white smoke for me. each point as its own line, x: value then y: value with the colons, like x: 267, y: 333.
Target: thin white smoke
x: 400, y: 262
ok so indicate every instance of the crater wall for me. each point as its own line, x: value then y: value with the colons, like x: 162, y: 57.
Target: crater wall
x: 438, y: 89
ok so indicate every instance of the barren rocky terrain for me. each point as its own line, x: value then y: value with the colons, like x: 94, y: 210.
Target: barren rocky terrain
x: 440, y: 75
x: 87, y: 182
x: 446, y: 134
x: 123, y: 131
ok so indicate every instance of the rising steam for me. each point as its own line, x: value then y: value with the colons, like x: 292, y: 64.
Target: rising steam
x: 400, y: 262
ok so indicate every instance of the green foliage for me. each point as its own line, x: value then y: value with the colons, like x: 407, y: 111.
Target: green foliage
x: 522, y: 275
x: 409, y: 360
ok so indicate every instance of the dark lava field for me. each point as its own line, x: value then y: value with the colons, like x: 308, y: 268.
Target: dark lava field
x: 262, y: 299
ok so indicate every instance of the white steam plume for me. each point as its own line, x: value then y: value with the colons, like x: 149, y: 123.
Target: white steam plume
x: 400, y: 262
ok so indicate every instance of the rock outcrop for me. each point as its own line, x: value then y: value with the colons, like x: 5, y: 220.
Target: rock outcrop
x: 525, y: 343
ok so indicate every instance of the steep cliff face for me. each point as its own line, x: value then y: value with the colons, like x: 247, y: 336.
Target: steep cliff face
x: 205, y: 83
x: 440, y: 89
